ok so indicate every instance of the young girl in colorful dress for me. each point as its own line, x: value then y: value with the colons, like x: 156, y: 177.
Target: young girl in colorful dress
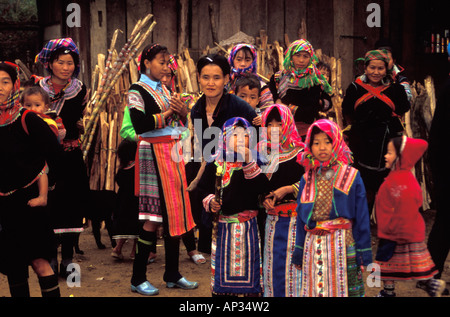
x: 243, y: 60
x: 402, y: 253
x: 230, y: 186
x: 301, y: 86
x: 281, y: 278
x: 160, y: 178
x: 333, y: 228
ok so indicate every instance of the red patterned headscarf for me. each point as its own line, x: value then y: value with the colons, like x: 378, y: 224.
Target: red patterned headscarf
x: 10, y: 108
x: 341, y: 152
x: 290, y: 136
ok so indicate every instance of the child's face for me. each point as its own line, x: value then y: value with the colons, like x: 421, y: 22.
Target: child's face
x: 391, y: 155
x: 157, y: 67
x: 166, y: 77
x: 239, y: 140
x: 274, y: 127
x: 322, y: 147
x: 325, y: 73
x: 301, y: 59
x: 243, y: 59
x: 251, y: 96
x: 35, y: 102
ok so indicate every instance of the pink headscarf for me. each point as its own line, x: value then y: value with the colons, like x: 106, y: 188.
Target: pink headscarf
x: 290, y: 136
x: 341, y: 152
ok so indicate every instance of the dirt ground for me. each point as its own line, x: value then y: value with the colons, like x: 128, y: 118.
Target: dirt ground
x: 104, y: 276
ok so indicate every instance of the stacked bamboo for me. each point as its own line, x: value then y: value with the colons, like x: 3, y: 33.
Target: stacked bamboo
x: 187, y: 73
x: 104, y: 112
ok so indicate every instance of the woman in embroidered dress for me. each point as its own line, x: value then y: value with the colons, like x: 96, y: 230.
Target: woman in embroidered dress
x: 127, y: 132
x: 235, y: 252
x: 281, y: 279
x: 333, y: 228
x: 402, y: 253
x: 243, y: 60
x: 160, y: 174
x: 301, y: 86
x: 372, y: 106
x: 68, y: 202
x: 27, y: 146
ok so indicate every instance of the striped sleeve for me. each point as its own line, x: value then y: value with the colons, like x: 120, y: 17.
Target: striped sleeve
x: 206, y: 201
x: 251, y: 170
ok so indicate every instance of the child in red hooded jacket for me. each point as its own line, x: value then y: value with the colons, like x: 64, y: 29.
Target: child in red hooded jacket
x: 402, y: 253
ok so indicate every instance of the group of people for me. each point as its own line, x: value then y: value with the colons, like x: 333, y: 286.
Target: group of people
x: 283, y: 213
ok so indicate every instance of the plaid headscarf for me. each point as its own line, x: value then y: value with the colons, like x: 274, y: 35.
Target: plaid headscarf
x: 341, y: 152
x: 237, y: 72
x: 10, y: 108
x: 381, y: 55
x: 290, y: 137
x: 52, y: 46
x: 291, y: 77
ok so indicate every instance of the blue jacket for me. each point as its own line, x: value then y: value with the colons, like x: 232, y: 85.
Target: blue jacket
x: 349, y: 202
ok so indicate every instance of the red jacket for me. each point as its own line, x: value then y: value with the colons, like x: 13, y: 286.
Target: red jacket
x: 400, y: 197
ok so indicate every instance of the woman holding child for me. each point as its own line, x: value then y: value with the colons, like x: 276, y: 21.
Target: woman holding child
x: 27, y: 147
x: 68, y: 200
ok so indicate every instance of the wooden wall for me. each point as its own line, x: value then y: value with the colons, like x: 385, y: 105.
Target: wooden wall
x: 187, y: 23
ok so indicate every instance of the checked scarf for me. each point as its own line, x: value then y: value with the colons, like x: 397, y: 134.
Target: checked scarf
x: 10, y: 108
x: 292, y: 78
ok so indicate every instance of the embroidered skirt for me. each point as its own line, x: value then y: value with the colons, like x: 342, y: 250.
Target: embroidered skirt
x: 235, y: 257
x: 160, y: 175
x: 411, y: 261
x: 281, y: 278
x: 329, y: 264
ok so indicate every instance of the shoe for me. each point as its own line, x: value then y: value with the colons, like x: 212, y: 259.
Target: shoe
x: 145, y: 289
x: 183, y: 283
x: 383, y: 293
x: 435, y: 287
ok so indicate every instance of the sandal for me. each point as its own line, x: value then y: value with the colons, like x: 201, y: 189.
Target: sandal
x: 198, y: 258
x: 118, y: 256
x: 151, y: 258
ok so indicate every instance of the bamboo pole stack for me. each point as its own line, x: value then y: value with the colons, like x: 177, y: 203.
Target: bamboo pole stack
x: 104, y: 113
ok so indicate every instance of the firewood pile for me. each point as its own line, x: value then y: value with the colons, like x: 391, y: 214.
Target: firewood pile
x: 104, y: 112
